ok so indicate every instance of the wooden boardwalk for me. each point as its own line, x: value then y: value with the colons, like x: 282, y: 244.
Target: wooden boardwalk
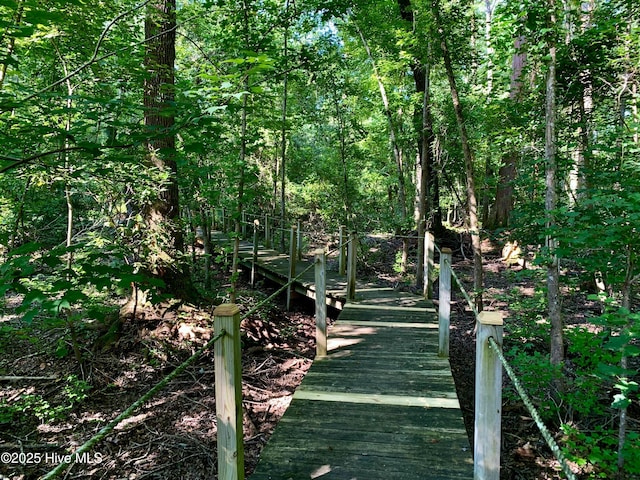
x: 381, y: 405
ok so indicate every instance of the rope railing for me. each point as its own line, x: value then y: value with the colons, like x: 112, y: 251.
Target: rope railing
x: 107, y: 429
x: 489, y: 358
x: 488, y: 392
x: 553, y: 445
x: 466, y: 296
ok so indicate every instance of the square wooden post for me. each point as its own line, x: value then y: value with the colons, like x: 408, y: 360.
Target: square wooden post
x: 228, y: 375
x: 342, y: 264
x: 254, y: 258
x: 444, y: 307
x: 428, y: 264
x: 321, y: 304
x: 488, y: 408
x: 293, y: 258
x: 267, y: 232
x: 351, y: 266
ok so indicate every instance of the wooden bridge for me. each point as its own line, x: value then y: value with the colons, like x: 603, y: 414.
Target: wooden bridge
x: 381, y: 405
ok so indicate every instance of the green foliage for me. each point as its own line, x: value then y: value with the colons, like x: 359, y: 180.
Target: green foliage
x: 593, y: 368
x: 50, y: 286
x: 55, y: 295
x: 535, y: 372
x: 74, y: 392
x: 595, y: 451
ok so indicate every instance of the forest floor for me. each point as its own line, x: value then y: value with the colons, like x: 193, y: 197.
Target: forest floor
x: 44, y: 413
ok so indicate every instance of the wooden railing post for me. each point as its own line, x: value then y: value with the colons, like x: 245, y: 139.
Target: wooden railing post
x: 444, y: 307
x: 351, y: 266
x: 321, y: 304
x: 292, y: 262
x: 228, y: 375
x: 254, y: 259
x: 342, y: 264
x: 299, y: 241
x: 428, y: 264
x: 267, y: 231
x: 488, y: 408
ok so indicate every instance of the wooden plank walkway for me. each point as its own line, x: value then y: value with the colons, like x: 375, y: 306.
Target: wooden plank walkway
x: 381, y: 405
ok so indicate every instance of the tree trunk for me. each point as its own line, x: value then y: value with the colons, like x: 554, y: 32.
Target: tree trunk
x: 283, y: 162
x: 393, y: 137
x: 551, y: 203
x: 624, y: 362
x: 577, y: 175
x: 162, y: 213
x: 507, y: 173
x: 472, y: 203
x: 427, y: 183
x: 238, y: 216
x: 397, y: 154
x: 12, y: 43
x: 242, y: 165
x: 206, y: 245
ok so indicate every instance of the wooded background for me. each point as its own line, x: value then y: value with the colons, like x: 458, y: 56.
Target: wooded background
x: 125, y: 126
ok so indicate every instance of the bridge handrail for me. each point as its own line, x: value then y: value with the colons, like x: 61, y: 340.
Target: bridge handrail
x: 553, y: 445
x: 488, y: 377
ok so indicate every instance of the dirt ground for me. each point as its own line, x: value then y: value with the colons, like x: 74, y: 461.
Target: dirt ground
x: 174, y: 434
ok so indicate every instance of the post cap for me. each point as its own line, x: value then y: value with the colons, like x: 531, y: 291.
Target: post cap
x: 446, y: 250
x: 319, y: 251
x: 226, y: 310
x: 491, y: 318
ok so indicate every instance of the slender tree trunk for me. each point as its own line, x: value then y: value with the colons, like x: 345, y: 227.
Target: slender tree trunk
x: 428, y: 184
x: 206, y: 245
x: 424, y: 161
x: 472, y: 203
x: 12, y: 43
x: 578, y: 174
x: 67, y: 160
x: 624, y: 363
x: 630, y: 267
x: 343, y: 154
x: 507, y: 173
x: 242, y: 165
x: 551, y: 203
x: 283, y: 162
x: 489, y: 6
x: 397, y: 152
x: 393, y: 137
x: 238, y: 216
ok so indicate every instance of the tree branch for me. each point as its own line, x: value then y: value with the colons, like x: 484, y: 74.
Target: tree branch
x: 23, y: 161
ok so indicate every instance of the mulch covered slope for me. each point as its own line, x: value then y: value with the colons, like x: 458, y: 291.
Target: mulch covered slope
x: 174, y: 434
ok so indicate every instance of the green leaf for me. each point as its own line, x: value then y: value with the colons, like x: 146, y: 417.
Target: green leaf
x: 33, y: 296
x: 29, y: 316
x: 620, y: 401
x: 25, y: 249
x: 73, y: 296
